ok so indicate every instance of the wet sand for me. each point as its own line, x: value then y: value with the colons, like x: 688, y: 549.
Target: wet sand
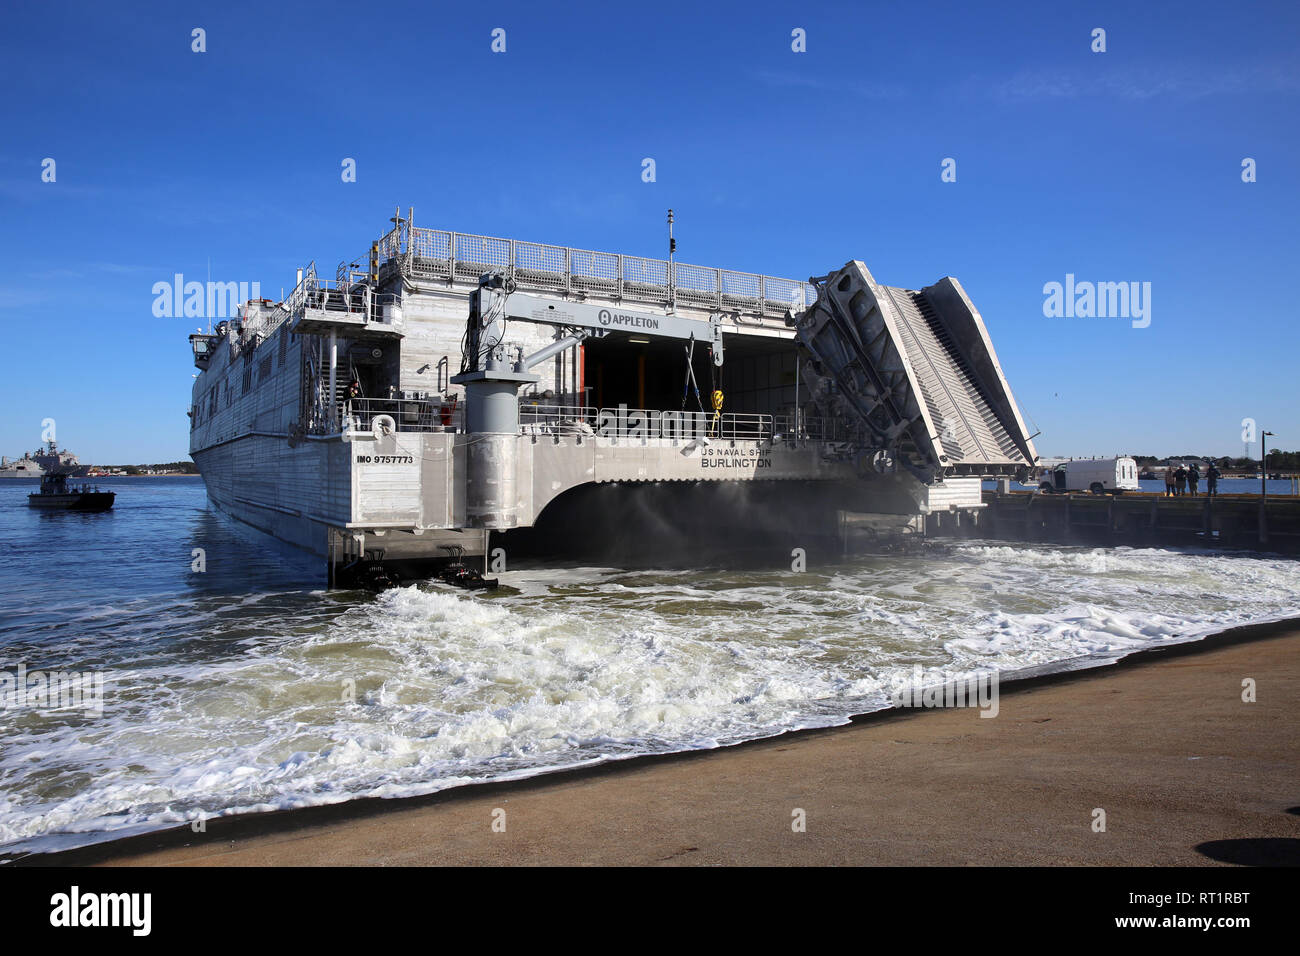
x: 1186, y: 772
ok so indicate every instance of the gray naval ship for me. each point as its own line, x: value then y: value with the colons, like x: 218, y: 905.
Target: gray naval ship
x: 24, y: 467
x: 36, y: 464
x: 444, y: 392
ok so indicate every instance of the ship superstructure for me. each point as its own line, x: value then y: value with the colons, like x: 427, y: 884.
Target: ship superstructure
x: 444, y: 386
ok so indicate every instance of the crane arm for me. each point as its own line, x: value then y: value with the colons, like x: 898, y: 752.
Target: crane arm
x: 498, y: 303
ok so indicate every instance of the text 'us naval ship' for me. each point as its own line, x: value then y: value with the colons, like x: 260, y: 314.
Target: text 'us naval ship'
x: 446, y: 387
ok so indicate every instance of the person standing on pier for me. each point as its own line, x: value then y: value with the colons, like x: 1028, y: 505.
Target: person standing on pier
x: 1193, y: 477
x: 1169, y: 481
x: 1180, y: 478
x: 1212, y: 479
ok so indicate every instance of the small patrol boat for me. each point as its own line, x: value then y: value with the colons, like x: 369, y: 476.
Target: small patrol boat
x: 57, y: 493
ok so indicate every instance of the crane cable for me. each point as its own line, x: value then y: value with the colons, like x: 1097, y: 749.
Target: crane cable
x: 690, y: 377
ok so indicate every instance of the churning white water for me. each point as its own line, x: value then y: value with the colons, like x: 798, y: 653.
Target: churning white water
x: 217, y: 704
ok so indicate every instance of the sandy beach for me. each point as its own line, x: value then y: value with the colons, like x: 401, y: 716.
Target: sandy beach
x: 1186, y: 772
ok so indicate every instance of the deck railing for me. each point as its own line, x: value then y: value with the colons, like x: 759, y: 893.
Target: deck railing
x: 331, y: 296
x: 433, y: 415
x: 624, y: 422
x: 461, y: 257
x: 408, y: 414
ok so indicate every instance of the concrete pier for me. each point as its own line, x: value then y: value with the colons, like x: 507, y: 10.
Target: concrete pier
x: 1135, y: 520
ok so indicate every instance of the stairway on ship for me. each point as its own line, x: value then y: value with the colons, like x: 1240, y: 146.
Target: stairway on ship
x: 918, y: 371
x: 968, y: 427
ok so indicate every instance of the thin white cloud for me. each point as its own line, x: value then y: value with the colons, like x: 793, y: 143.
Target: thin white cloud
x: 90, y: 268
x: 1145, y: 83
x: 13, y: 297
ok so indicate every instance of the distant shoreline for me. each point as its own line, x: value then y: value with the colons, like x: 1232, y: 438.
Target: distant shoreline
x: 174, y: 474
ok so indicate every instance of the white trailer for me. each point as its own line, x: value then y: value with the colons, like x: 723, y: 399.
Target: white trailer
x: 1100, y: 476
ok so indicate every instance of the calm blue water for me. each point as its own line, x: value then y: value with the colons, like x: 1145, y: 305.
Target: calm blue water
x: 249, y: 687
x: 123, y: 577
x: 1228, y: 486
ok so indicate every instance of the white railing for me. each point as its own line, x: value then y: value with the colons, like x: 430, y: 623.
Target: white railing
x: 408, y: 414
x: 538, y: 419
x: 434, y: 415
x: 298, y: 296
x: 353, y: 271
x: 811, y: 428
x: 462, y: 257
x: 344, y: 296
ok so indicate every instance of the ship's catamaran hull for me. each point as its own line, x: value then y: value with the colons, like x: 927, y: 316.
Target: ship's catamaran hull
x: 349, y: 420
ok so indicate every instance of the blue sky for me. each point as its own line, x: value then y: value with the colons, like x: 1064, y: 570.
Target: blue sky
x: 1115, y: 166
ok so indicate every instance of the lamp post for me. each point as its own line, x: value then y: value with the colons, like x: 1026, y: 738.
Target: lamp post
x: 1263, y: 487
x: 1263, y: 464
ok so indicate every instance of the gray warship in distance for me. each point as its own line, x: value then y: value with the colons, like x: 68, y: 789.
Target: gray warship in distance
x: 24, y: 467
x: 444, y: 387
x: 47, y: 459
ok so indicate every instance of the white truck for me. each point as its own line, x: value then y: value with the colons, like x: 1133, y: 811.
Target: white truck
x: 1101, y: 476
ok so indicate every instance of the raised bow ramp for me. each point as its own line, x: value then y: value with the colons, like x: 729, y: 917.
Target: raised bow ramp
x: 915, y: 374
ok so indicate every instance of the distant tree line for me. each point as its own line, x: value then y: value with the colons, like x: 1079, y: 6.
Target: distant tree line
x: 1277, y: 461
x: 184, y: 467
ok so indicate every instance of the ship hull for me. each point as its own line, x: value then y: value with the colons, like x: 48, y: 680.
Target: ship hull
x: 290, y: 493
x: 302, y: 495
